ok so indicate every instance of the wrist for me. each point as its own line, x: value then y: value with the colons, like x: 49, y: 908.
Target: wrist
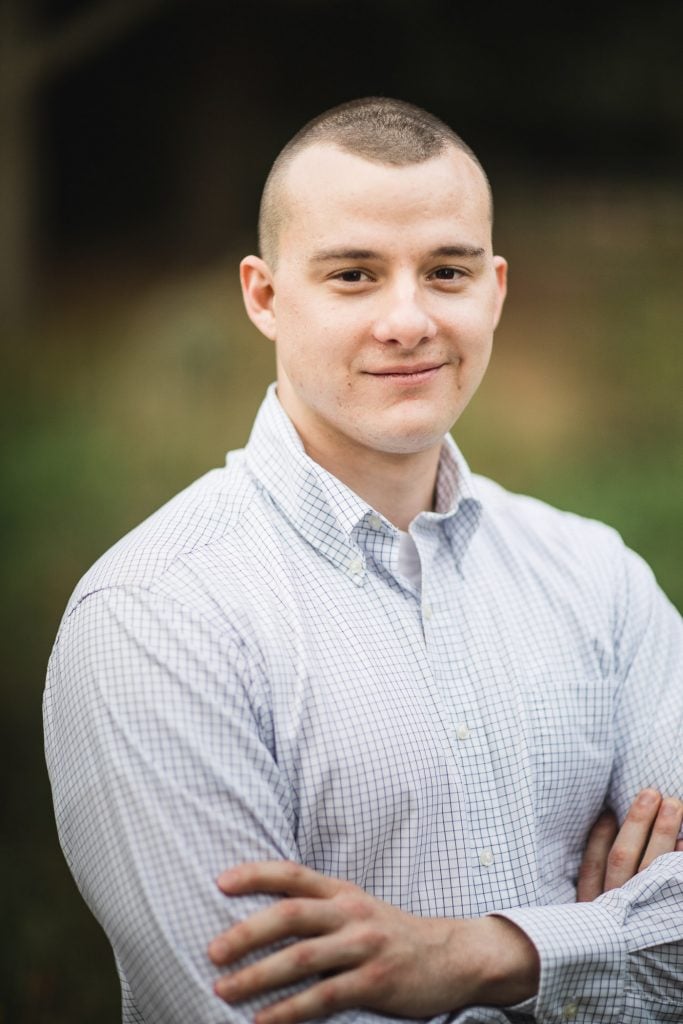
x: 508, y: 965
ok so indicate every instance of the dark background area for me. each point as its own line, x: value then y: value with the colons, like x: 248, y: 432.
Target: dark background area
x: 164, y: 134
x: 136, y: 138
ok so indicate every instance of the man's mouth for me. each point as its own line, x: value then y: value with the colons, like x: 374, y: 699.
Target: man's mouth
x: 408, y: 374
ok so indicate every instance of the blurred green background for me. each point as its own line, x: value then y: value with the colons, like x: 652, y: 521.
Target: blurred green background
x: 139, y: 137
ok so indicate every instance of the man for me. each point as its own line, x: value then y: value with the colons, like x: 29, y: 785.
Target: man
x: 363, y: 679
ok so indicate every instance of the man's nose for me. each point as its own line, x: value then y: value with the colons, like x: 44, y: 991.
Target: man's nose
x: 404, y: 319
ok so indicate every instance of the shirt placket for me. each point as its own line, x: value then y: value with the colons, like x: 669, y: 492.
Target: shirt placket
x: 460, y: 677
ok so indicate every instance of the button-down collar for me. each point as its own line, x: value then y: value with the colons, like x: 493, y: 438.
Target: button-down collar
x: 335, y: 520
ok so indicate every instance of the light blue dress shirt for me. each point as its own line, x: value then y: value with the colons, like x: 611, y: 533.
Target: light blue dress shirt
x: 247, y: 676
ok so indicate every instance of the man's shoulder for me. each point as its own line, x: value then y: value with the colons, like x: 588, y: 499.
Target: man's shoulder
x: 536, y: 529
x: 570, y: 561
x: 206, y: 513
x: 498, y: 499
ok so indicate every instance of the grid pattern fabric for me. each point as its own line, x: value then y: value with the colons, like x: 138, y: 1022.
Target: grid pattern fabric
x: 247, y: 676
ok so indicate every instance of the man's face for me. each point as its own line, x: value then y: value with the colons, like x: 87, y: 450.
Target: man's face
x: 383, y: 303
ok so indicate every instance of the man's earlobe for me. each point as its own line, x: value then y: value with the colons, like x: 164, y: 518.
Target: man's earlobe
x: 501, y: 271
x: 258, y: 292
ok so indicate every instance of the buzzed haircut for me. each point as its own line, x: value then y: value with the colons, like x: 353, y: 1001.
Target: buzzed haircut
x: 376, y: 128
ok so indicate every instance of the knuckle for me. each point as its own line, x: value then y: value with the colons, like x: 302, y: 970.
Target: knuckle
x: 240, y: 934
x: 378, y: 976
x: 371, y: 939
x: 329, y: 994
x: 618, y: 858
x: 302, y: 956
x: 590, y: 869
x: 347, y: 890
x: 254, y: 974
x: 292, y: 871
x: 289, y: 910
x: 354, y: 903
x: 346, y: 886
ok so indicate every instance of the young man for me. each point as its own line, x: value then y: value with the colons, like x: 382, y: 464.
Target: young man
x: 400, y: 693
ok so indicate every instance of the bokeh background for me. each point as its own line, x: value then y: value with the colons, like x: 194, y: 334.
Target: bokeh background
x: 134, y: 139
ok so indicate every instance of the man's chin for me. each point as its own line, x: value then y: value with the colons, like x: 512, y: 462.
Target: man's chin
x: 406, y: 434
x: 406, y: 442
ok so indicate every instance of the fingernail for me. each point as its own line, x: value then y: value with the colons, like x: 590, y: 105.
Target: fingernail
x: 648, y: 798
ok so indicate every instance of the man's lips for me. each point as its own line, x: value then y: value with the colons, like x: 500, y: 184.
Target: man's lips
x: 414, y: 374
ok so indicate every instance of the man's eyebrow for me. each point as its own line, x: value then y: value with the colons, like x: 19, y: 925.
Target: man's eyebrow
x: 323, y: 255
x: 459, y: 251
x: 453, y: 251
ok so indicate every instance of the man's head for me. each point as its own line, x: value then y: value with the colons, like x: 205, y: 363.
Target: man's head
x: 381, y: 290
x: 384, y: 130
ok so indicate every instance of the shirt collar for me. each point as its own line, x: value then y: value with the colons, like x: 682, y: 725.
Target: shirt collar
x: 327, y: 513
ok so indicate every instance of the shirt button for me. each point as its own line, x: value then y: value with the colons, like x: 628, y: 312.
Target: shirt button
x: 356, y: 566
x: 486, y: 858
x: 427, y: 611
x: 375, y: 522
x: 570, y: 1011
x: 462, y: 732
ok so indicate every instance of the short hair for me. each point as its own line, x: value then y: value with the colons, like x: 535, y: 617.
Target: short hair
x: 377, y: 128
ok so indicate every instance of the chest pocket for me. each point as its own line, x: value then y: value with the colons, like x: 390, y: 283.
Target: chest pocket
x: 569, y: 714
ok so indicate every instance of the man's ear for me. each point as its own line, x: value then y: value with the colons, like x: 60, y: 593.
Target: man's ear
x: 501, y: 271
x: 258, y: 292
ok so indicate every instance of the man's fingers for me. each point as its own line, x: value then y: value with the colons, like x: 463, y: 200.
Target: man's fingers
x: 279, y: 876
x: 594, y: 863
x: 291, y: 917
x: 665, y: 830
x: 287, y: 966
x: 315, y: 1003
x: 627, y: 852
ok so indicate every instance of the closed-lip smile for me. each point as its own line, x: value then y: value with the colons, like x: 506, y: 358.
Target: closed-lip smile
x: 419, y: 370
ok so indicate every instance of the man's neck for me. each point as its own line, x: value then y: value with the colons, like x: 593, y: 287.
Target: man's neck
x: 398, y: 486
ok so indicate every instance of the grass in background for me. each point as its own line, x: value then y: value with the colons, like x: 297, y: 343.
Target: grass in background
x: 124, y: 396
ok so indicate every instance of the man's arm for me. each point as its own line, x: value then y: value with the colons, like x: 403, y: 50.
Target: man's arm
x: 163, y: 768
x: 620, y: 958
x: 156, y: 740
x: 382, y: 958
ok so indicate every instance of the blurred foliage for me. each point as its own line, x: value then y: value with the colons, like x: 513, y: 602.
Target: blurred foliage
x: 129, y: 389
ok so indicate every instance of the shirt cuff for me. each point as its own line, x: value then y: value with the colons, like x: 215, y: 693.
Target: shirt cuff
x: 583, y: 962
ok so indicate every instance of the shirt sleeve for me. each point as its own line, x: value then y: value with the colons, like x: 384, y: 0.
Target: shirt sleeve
x: 619, y: 959
x: 163, y: 775
x: 160, y: 780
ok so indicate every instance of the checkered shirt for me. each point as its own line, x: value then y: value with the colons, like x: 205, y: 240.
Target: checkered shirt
x: 247, y: 676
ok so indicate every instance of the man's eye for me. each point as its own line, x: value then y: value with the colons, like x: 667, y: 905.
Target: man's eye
x: 351, y: 276
x: 447, y: 274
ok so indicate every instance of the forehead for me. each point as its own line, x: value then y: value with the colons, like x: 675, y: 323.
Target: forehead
x: 327, y: 191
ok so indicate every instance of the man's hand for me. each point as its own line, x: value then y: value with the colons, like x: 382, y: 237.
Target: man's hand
x: 613, y: 855
x: 375, y: 955
x: 372, y: 954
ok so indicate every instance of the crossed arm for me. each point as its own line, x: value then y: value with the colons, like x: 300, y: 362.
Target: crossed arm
x: 375, y: 956
x: 162, y: 777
